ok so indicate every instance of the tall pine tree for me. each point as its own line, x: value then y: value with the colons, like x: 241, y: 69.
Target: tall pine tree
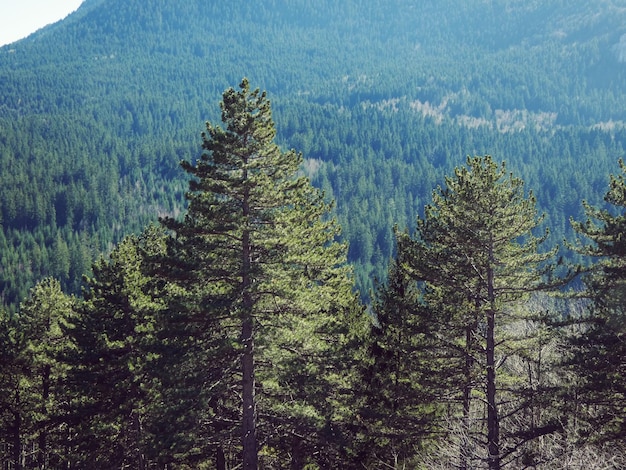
x: 35, y: 400
x: 475, y: 253
x: 256, y: 252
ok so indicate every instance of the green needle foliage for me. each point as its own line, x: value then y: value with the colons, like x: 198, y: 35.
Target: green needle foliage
x: 33, y: 382
x: 402, y: 376
x: 598, y: 350
x: 114, y: 362
x: 475, y: 255
x: 258, y: 265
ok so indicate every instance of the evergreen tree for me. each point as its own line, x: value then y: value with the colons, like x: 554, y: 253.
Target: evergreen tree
x: 43, y: 317
x: 401, y: 377
x: 34, y: 380
x: 257, y: 249
x: 598, y: 349
x: 114, y: 379
x: 11, y: 407
x: 476, y: 254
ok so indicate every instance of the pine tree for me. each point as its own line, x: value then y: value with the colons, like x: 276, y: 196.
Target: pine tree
x: 114, y: 378
x: 11, y: 404
x: 475, y: 252
x: 402, y: 376
x: 33, y: 385
x: 43, y: 317
x: 256, y: 251
x: 597, y: 350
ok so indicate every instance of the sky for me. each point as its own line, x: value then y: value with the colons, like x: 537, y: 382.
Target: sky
x: 19, y: 18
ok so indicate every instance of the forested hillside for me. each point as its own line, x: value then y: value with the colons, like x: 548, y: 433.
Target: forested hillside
x: 382, y: 98
x: 188, y: 285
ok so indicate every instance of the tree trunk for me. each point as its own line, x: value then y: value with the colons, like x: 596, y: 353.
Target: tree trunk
x: 42, y: 452
x: 249, y: 431
x: 467, y: 396
x: 296, y: 453
x: 17, y: 431
x: 493, y: 421
x: 220, y: 460
x: 140, y: 457
x: 250, y: 457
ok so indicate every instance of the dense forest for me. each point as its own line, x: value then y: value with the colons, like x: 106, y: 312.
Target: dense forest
x: 382, y: 98
x: 383, y: 299
x: 233, y: 336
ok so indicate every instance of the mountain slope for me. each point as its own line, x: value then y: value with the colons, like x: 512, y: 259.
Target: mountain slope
x: 392, y: 48
x: 383, y: 98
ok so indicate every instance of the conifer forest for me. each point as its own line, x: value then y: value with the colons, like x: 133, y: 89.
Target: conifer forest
x: 315, y: 235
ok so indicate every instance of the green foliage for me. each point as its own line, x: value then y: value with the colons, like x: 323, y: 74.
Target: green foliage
x: 476, y: 255
x: 385, y: 98
x: 115, y: 361
x: 402, y: 377
x: 597, y: 350
x: 34, y: 380
x: 256, y: 261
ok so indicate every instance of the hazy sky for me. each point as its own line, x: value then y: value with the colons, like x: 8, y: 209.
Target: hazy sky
x: 19, y: 18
